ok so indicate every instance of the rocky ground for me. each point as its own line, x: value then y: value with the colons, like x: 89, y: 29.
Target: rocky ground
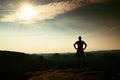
x: 70, y: 74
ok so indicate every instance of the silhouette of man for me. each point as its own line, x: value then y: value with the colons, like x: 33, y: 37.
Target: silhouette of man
x: 81, y: 46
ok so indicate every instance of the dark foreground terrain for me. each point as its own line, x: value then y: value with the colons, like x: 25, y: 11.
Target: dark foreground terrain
x: 72, y: 74
x: 101, y: 65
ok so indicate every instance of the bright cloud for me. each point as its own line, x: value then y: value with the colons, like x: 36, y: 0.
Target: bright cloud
x: 44, y: 12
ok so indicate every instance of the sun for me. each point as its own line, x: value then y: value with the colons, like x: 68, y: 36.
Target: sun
x: 27, y: 12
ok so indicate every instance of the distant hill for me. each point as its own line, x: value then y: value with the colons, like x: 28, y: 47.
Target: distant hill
x: 13, y: 65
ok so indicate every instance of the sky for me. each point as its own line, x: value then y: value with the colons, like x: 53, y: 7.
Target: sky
x: 53, y: 26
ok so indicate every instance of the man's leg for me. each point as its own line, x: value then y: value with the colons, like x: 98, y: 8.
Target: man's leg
x: 84, y: 61
x: 78, y: 62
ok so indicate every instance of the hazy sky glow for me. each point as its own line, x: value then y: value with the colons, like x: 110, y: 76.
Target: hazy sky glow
x: 54, y: 25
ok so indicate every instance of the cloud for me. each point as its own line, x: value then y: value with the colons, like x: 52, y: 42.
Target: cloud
x: 47, y: 10
x: 99, y: 1
x: 44, y: 12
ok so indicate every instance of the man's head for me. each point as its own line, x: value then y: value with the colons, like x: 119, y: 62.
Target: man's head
x: 79, y: 37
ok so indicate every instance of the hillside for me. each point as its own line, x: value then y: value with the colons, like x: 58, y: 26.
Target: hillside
x: 14, y: 65
x: 72, y: 74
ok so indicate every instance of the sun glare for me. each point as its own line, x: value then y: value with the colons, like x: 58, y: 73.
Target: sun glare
x: 27, y: 13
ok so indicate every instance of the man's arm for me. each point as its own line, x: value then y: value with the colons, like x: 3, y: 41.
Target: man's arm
x: 75, y: 45
x: 85, y: 46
